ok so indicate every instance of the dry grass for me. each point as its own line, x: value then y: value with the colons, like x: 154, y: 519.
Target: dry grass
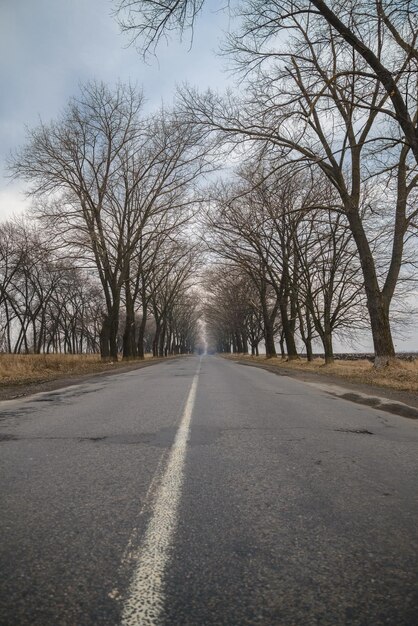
x: 401, y: 376
x: 20, y: 369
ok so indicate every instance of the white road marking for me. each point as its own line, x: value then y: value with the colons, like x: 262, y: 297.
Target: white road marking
x: 145, y: 599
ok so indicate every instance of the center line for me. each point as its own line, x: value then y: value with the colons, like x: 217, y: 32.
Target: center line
x: 145, y: 599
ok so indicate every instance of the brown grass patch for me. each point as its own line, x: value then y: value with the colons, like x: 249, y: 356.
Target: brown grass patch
x: 401, y: 375
x: 17, y: 369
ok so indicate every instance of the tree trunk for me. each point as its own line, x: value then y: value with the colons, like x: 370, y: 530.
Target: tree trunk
x: 113, y: 338
x: 156, y: 340
x: 128, y: 341
x: 309, y: 351
x: 308, y: 337
x: 8, y: 327
x: 238, y: 343
x: 328, y: 348
x: 376, y: 305
x: 382, y: 336
x: 269, y: 340
x: 109, y: 334
x: 162, y: 340
x: 142, y: 326
x: 268, y: 324
x: 129, y: 344
x: 281, y: 343
x: 104, y: 338
x: 306, y: 333
x: 141, y: 336
x: 292, y: 353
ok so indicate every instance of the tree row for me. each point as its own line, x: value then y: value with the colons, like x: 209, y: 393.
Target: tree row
x: 115, y: 191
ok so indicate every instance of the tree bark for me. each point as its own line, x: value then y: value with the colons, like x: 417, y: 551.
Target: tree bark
x: 292, y: 353
x: 162, y: 340
x: 109, y: 334
x: 269, y: 340
x: 113, y: 338
x: 306, y: 333
x: 104, y: 338
x: 377, y: 306
x: 268, y: 324
x: 141, y: 336
x: 328, y: 348
x: 238, y: 343
x: 156, y: 340
x: 129, y: 343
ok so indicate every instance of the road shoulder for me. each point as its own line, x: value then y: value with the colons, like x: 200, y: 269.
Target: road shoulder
x: 393, y: 401
x: 12, y: 392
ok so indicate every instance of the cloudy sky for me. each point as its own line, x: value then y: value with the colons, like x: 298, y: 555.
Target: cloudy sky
x: 49, y: 47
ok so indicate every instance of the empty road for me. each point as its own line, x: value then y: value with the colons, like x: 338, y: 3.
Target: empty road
x: 202, y: 492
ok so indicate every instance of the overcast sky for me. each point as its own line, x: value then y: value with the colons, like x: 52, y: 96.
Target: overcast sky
x: 49, y: 47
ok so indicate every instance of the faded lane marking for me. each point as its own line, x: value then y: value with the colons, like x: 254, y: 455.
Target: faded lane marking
x: 145, y: 599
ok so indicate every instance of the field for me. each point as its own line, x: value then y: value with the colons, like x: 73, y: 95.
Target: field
x: 401, y: 376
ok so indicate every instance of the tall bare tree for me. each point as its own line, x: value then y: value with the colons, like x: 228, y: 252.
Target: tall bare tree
x: 313, y: 107
x: 383, y: 32
x: 47, y: 303
x: 76, y: 162
x: 105, y: 175
x: 338, y: 85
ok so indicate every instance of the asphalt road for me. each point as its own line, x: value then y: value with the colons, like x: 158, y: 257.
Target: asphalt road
x: 203, y: 492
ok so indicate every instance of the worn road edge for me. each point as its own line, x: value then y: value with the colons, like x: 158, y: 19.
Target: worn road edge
x: 381, y: 403
x: 15, y: 392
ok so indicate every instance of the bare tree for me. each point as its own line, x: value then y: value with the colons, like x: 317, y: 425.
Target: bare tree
x: 47, y: 304
x: 160, y: 206
x: 170, y: 281
x: 76, y: 162
x: 329, y: 281
x: 384, y: 33
x: 183, y: 324
x: 147, y: 21
x: 324, y: 93
x: 235, y: 231
x: 232, y: 309
x: 11, y: 257
x: 333, y: 125
x: 109, y: 176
